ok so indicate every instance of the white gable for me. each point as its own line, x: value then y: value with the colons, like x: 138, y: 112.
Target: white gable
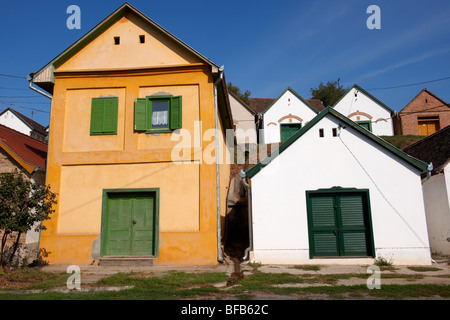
x: 289, y: 108
x: 348, y: 160
x: 244, y: 122
x: 357, y: 106
x: 10, y: 120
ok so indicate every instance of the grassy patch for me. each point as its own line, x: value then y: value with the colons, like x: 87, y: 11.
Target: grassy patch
x: 307, y: 267
x: 30, y: 278
x: 424, y: 269
x: 181, y: 285
x: 402, y: 141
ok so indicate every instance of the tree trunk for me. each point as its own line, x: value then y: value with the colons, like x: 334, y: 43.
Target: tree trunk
x: 16, y: 244
x: 5, y: 236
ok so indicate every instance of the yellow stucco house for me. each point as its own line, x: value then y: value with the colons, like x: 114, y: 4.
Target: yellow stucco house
x: 133, y: 108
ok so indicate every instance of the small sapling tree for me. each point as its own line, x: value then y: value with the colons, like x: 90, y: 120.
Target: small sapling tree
x: 23, y: 205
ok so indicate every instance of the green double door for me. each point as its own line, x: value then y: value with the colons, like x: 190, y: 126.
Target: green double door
x: 339, y: 224
x: 288, y: 129
x: 129, y: 224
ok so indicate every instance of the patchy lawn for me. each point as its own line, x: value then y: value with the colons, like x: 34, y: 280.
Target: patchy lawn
x: 30, y: 278
x: 174, y: 285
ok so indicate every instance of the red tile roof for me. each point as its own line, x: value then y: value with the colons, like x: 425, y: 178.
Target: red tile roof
x: 259, y: 105
x: 23, y: 148
x: 434, y: 148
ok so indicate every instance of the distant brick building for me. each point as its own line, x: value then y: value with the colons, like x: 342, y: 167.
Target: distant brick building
x: 423, y: 115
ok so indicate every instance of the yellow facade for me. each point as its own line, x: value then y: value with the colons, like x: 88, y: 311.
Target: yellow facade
x: 81, y: 166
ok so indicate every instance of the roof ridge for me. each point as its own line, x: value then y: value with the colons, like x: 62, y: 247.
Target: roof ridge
x: 30, y: 121
x: 418, y: 164
x: 23, y: 134
x: 429, y: 92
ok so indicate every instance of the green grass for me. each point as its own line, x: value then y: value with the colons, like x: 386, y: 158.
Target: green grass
x: 307, y: 267
x: 30, y: 278
x: 423, y: 269
x: 402, y: 141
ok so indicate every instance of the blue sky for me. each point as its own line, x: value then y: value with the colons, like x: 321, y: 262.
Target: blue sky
x: 265, y: 46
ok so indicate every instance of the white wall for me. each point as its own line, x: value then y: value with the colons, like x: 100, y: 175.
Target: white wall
x: 382, y: 124
x: 279, y: 200
x: 287, y: 104
x: 245, y: 126
x: 436, y: 192
x: 10, y: 120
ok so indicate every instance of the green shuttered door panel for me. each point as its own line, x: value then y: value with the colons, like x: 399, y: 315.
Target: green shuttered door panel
x: 324, y: 223
x: 129, y: 224
x: 339, y: 224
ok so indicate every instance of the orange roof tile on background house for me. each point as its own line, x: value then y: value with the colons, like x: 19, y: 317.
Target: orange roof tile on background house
x: 30, y: 153
x: 259, y: 105
x: 34, y: 129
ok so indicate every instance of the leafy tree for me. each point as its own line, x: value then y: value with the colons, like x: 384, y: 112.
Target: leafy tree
x: 237, y: 91
x: 22, y: 204
x: 329, y: 94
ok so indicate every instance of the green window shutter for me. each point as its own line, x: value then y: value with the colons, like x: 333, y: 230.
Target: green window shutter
x: 140, y: 114
x: 110, y: 109
x: 97, y: 116
x: 176, y: 113
x: 104, y: 115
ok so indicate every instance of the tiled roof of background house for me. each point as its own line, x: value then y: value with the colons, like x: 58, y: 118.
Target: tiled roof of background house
x: 435, y: 148
x: 316, y: 103
x: 259, y: 105
x: 24, y: 149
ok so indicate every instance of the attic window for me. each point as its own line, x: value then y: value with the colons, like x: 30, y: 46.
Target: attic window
x: 142, y: 38
x: 426, y: 100
x: 334, y: 132
x: 116, y: 40
x: 321, y: 133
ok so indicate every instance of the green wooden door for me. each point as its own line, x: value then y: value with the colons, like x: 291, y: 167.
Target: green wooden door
x: 288, y: 129
x: 129, y: 222
x: 339, y: 224
x: 365, y: 124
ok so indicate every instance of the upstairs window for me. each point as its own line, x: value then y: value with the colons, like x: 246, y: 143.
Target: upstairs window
x: 154, y: 114
x: 104, y: 115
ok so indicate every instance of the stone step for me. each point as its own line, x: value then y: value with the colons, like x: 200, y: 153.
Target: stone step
x: 127, y: 261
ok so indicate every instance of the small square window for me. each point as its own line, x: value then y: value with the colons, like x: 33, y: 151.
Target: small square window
x: 142, y: 38
x: 334, y: 132
x: 321, y: 133
x: 116, y: 40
